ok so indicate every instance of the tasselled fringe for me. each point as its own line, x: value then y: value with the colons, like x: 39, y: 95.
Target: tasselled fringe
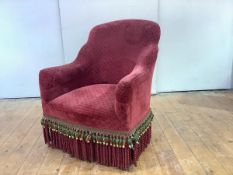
x: 111, y: 150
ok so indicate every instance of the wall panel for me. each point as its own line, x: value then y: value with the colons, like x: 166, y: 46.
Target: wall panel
x: 30, y: 39
x: 196, y: 45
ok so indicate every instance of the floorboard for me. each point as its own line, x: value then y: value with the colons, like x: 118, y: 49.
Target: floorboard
x: 192, y: 134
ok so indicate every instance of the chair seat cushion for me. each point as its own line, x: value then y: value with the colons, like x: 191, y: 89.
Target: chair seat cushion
x: 89, y: 106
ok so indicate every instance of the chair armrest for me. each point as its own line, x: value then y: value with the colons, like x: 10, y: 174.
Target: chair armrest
x: 55, y: 81
x: 134, y: 90
x: 133, y: 96
x: 127, y: 84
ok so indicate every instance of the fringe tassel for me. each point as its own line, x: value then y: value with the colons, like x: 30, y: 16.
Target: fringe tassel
x: 113, y: 154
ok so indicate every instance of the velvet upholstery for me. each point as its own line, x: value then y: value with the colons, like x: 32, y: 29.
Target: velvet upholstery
x: 108, y: 85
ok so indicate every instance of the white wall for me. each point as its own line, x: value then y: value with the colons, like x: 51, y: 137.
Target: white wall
x: 29, y: 40
x: 195, y: 47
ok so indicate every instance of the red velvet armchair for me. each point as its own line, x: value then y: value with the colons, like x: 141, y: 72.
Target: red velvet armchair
x: 97, y: 108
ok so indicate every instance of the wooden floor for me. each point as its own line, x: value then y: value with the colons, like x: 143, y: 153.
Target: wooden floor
x: 192, y: 134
